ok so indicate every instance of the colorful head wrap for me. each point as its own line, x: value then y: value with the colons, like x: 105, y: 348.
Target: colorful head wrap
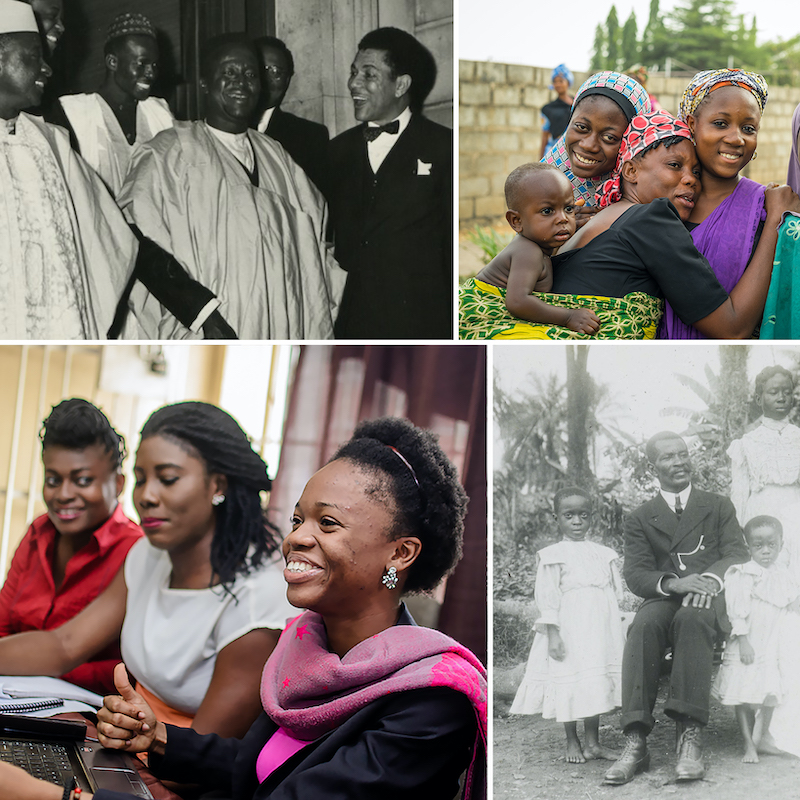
x: 705, y: 82
x: 644, y: 130
x: 563, y: 71
x: 130, y: 24
x: 628, y: 94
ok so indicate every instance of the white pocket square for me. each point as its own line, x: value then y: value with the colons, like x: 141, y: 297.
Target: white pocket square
x: 423, y: 168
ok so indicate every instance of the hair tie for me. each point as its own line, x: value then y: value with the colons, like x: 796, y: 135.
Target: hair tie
x: 405, y: 461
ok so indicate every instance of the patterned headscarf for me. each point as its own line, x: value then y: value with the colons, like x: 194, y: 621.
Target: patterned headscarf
x: 628, y: 94
x: 130, y: 24
x: 644, y: 130
x: 705, y: 82
x: 563, y: 71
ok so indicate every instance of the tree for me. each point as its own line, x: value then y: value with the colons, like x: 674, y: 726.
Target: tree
x: 629, y: 43
x: 579, y: 405
x: 612, y: 39
x: 598, y: 61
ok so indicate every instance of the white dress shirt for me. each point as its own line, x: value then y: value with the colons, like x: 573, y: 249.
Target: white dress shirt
x: 380, y: 148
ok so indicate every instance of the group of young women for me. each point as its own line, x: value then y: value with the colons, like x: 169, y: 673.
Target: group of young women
x: 355, y: 700
x: 667, y: 224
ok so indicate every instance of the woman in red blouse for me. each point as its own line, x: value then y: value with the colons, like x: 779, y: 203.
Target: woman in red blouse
x: 70, y: 554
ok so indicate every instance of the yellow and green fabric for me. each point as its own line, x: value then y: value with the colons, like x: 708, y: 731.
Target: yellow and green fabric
x: 482, y: 314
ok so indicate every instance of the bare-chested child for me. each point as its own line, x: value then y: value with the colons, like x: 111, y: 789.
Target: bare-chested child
x: 542, y: 213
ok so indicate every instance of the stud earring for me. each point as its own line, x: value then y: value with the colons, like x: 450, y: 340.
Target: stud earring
x: 755, y: 155
x: 389, y: 580
x: 217, y: 499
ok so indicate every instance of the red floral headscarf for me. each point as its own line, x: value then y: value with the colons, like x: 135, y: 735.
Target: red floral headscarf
x: 644, y: 130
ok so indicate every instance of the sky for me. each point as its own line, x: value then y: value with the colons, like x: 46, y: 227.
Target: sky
x: 517, y: 31
x: 642, y: 378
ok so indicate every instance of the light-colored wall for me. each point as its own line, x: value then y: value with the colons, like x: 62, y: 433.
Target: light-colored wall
x: 500, y: 127
x: 323, y: 37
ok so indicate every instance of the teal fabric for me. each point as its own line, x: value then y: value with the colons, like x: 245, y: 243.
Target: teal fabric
x: 782, y: 311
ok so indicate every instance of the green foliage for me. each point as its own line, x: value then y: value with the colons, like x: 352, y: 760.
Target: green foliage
x: 599, y: 49
x: 489, y: 240
x: 612, y: 39
x: 629, y: 43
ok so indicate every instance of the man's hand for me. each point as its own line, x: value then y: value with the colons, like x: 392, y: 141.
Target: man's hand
x: 698, y: 590
x: 216, y: 327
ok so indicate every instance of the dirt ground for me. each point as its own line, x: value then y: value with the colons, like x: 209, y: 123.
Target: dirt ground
x: 529, y: 761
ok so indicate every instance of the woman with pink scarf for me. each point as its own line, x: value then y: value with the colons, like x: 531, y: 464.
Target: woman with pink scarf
x: 359, y: 702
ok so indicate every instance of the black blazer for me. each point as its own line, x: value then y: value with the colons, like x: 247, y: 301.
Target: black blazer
x: 393, y: 234
x: 417, y: 741
x: 305, y: 141
x: 707, y: 538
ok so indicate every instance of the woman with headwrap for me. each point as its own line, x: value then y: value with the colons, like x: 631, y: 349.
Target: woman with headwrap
x: 555, y: 115
x: 587, y: 152
x: 730, y: 223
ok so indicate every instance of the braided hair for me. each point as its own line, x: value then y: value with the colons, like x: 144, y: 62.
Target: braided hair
x: 416, y: 478
x: 76, y: 424
x: 243, y: 536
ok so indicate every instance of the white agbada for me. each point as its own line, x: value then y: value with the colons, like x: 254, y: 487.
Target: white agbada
x: 261, y: 250
x: 171, y: 637
x: 66, y: 252
x: 102, y: 142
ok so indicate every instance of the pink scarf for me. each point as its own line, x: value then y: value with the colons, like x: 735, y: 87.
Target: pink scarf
x: 309, y: 691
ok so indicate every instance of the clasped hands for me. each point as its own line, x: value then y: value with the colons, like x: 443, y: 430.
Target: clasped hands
x: 126, y: 722
x: 698, y: 590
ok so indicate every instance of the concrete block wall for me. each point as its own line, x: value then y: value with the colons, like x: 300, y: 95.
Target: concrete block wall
x: 500, y: 128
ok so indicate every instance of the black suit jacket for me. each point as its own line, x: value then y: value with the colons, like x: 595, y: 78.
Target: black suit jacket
x: 707, y: 538
x: 305, y: 141
x: 393, y: 234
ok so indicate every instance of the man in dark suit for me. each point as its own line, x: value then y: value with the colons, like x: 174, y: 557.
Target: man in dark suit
x: 677, y: 548
x: 304, y: 140
x: 391, y: 197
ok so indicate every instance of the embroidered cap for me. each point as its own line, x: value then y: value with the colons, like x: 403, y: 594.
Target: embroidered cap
x: 130, y: 23
x: 16, y: 17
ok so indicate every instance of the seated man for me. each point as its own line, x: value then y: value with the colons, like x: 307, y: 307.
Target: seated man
x: 391, y: 197
x: 677, y: 548
x: 65, y: 250
x: 305, y: 141
x: 109, y: 123
x: 236, y: 213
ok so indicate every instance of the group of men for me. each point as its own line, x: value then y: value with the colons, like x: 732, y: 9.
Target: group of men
x: 118, y: 220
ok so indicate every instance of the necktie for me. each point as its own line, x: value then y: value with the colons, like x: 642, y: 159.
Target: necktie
x: 678, y: 506
x: 371, y: 133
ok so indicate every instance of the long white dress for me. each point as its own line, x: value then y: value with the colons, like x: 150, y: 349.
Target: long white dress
x: 757, y: 601
x: 578, y: 588
x: 765, y: 479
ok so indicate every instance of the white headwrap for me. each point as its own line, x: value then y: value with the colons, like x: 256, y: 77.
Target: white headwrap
x: 16, y: 17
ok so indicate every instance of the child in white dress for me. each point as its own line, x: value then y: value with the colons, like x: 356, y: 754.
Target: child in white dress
x: 757, y: 596
x: 575, y: 662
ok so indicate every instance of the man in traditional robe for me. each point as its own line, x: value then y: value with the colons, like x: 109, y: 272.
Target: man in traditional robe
x: 391, y: 197
x: 232, y: 209
x: 65, y: 250
x: 108, y: 124
x: 305, y: 141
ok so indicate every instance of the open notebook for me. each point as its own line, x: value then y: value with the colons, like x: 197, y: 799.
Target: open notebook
x: 43, y: 697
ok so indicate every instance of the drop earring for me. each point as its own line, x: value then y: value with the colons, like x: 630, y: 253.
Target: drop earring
x: 389, y: 580
x: 755, y: 155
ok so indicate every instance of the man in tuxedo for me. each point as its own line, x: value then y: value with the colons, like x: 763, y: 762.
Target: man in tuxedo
x: 677, y: 548
x: 305, y: 141
x: 391, y: 197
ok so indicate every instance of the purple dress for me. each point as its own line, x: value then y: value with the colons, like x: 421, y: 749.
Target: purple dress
x: 726, y: 238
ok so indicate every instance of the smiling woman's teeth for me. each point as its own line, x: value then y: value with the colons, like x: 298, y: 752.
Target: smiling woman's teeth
x: 729, y: 156
x: 583, y: 160
x: 298, y: 566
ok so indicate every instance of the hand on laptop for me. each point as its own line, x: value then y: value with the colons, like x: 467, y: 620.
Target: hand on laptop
x: 126, y: 722
x: 16, y: 784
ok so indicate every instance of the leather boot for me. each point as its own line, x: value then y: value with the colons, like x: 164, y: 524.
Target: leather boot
x: 634, y: 758
x: 690, y: 766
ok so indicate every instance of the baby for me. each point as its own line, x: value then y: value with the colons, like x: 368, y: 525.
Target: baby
x: 542, y: 212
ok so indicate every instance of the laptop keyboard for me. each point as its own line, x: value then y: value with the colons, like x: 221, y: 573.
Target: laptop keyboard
x: 44, y: 760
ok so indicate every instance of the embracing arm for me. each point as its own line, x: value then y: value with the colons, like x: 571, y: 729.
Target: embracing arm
x: 737, y: 317
x: 62, y: 649
x: 232, y: 701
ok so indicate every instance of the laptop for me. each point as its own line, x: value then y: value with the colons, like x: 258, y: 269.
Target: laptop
x: 56, y: 749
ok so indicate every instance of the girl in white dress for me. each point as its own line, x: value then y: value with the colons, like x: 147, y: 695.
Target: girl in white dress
x: 757, y: 596
x: 575, y: 662
x: 765, y: 462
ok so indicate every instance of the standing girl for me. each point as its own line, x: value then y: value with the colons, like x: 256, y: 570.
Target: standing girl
x: 575, y: 662
x: 757, y: 598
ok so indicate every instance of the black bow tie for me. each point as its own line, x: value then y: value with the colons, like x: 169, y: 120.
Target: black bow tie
x: 371, y: 133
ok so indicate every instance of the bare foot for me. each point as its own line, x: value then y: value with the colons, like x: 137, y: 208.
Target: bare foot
x: 766, y: 746
x: 750, y: 756
x: 591, y: 752
x: 574, y: 754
